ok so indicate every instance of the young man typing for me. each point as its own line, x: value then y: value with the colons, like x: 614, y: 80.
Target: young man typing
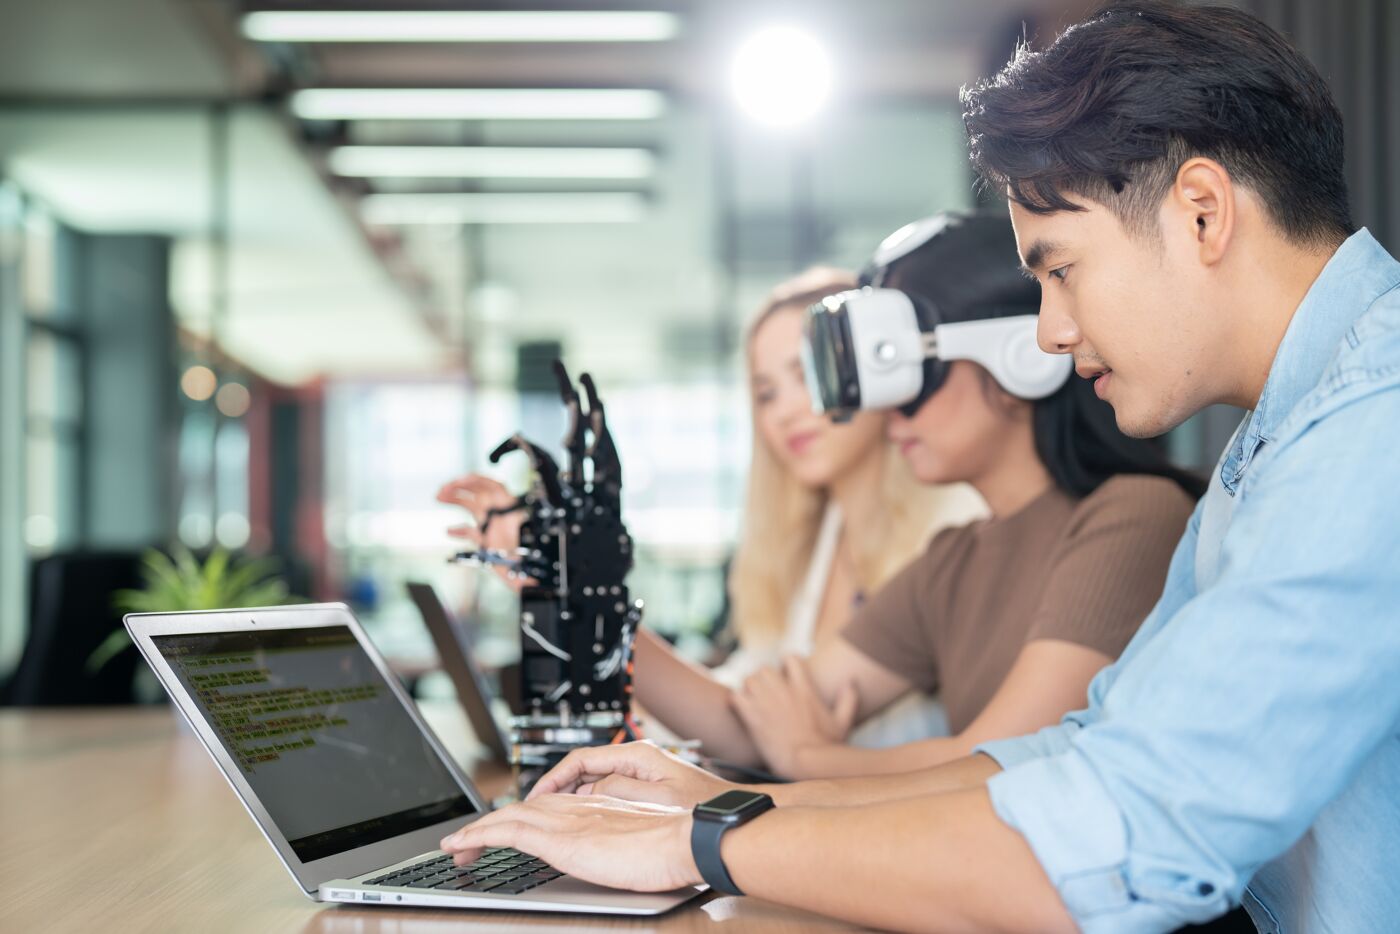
x: 1175, y: 179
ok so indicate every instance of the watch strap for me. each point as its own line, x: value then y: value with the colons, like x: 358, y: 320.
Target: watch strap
x: 705, y: 838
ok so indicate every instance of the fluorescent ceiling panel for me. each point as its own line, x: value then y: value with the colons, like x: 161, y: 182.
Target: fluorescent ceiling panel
x: 476, y: 104
x: 459, y: 26
x: 490, y: 162
x: 500, y: 208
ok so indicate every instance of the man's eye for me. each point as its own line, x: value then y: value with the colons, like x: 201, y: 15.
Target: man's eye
x: 1058, y: 273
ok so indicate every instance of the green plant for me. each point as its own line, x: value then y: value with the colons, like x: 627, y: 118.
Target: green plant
x: 182, y: 583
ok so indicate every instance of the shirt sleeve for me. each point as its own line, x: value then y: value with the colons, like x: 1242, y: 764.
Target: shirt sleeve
x: 893, y: 628
x: 1109, y: 568
x: 1050, y: 741
x: 1221, y: 738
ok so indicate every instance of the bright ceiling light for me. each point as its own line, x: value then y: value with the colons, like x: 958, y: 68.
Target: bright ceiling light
x: 459, y: 26
x: 476, y: 104
x: 782, y: 76
x: 391, y: 210
x: 490, y: 162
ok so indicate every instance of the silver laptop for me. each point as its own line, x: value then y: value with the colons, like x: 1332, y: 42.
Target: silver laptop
x: 333, y: 762
x: 457, y: 661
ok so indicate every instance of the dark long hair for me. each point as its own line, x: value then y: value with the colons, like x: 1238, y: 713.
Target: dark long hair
x: 969, y: 271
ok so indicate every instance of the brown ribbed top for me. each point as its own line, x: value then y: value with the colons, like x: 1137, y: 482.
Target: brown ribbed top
x: 1083, y: 571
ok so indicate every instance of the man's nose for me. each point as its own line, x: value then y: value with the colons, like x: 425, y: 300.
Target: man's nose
x: 1055, y: 330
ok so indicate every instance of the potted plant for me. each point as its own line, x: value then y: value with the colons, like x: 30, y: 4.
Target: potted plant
x: 182, y: 582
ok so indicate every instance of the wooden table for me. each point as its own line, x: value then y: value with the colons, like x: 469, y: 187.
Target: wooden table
x: 118, y: 820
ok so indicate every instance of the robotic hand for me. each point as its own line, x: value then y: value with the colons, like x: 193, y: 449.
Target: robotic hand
x: 577, y: 619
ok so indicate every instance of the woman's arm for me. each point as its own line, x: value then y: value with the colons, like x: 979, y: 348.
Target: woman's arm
x: 813, y: 702
x: 689, y: 701
x: 1048, y: 679
x: 837, y: 664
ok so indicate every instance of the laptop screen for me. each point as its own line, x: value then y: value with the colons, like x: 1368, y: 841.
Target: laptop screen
x: 330, y: 752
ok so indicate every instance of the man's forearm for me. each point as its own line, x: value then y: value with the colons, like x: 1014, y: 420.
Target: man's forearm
x: 968, y: 773
x: 946, y: 862
x: 690, y: 702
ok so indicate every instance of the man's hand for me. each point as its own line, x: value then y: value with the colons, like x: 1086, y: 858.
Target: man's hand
x: 624, y: 845
x: 478, y: 495
x: 633, y: 772
x: 786, y: 716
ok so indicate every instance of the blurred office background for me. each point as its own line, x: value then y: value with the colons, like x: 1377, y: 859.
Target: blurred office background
x: 268, y: 279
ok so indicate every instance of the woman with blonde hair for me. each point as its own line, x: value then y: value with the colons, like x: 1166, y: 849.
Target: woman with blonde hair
x: 800, y: 569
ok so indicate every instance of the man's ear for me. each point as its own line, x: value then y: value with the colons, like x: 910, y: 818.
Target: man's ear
x: 1202, y: 204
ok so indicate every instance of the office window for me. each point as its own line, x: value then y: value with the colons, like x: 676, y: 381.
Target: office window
x: 388, y: 447
x: 12, y: 448
x: 41, y: 400
x: 212, y: 458
x: 53, y: 441
x: 231, y: 527
x: 53, y: 406
x: 685, y: 451
x: 196, y: 472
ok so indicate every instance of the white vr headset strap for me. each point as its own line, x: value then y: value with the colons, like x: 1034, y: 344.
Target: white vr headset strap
x: 1006, y: 348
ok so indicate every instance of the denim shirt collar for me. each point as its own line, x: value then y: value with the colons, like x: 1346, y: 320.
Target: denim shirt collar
x: 1347, y: 285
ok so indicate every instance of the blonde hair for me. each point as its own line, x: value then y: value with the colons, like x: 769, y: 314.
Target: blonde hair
x: 782, y: 518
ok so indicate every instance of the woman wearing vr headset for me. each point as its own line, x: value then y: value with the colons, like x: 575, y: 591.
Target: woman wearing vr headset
x: 800, y: 569
x: 1009, y: 618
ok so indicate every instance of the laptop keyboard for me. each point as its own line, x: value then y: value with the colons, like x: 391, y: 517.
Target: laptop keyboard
x: 498, y: 871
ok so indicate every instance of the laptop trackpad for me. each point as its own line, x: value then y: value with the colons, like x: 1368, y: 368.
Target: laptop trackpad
x: 573, y: 891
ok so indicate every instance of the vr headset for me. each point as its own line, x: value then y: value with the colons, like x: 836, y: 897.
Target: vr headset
x: 878, y: 348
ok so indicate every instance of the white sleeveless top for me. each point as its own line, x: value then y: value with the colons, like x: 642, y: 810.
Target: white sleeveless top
x: 912, y: 717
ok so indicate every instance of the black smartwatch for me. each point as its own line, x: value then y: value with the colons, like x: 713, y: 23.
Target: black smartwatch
x: 710, y: 820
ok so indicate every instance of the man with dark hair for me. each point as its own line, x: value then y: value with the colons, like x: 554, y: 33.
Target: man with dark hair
x: 1120, y: 102
x: 1175, y: 179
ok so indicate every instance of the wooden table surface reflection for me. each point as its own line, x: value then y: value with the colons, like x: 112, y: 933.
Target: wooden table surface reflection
x: 119, y: 821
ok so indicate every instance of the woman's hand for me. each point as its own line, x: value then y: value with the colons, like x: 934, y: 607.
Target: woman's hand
x: 621, y: 844
x: 478, y: 495
x: 787, y: 718
x: 631, y: 771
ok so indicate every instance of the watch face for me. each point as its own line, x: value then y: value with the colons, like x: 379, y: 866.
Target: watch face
x: 729, y: 803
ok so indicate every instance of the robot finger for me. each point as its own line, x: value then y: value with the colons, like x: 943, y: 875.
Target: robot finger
x: 574, y: 437
x: 546, y: 469
x: 607, y: 468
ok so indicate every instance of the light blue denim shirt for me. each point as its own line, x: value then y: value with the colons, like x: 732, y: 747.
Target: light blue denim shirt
x: 1246, y: 746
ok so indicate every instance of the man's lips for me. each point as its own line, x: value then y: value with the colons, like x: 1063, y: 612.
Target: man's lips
x: 1099, y: 374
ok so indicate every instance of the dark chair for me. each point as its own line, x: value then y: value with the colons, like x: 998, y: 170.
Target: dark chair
x: 70, y: 614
